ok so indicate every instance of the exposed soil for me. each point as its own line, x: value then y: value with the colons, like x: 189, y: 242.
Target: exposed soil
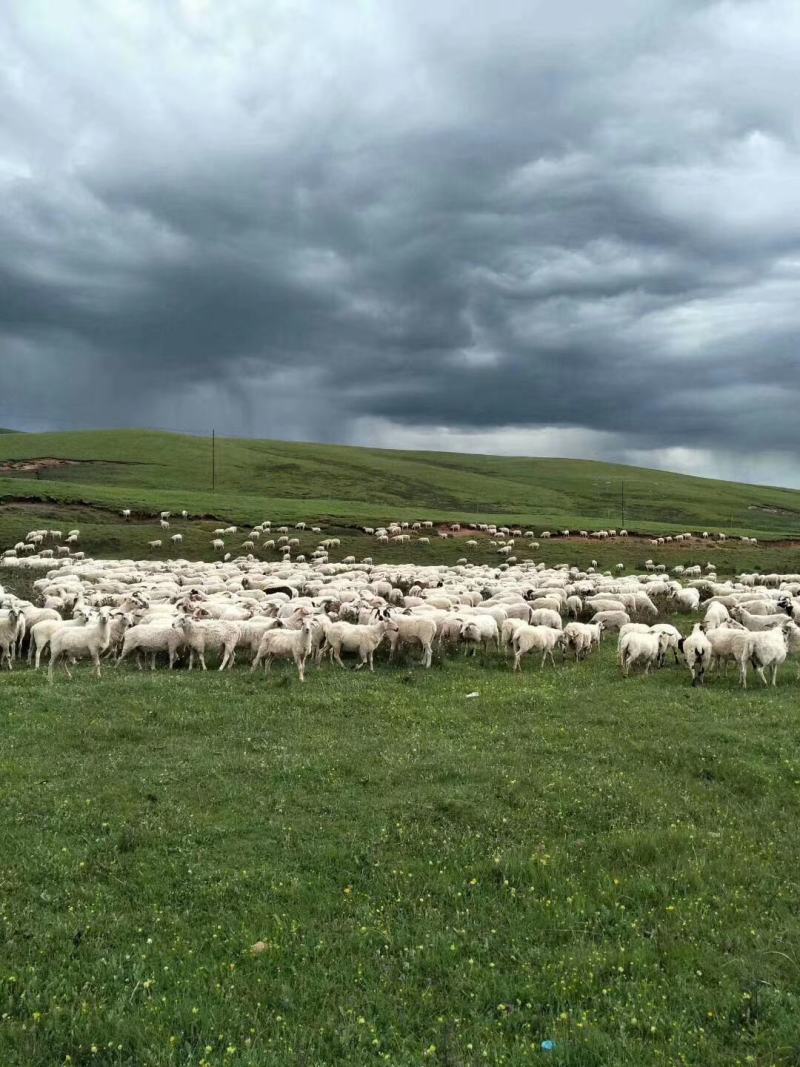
x: 34, y: 466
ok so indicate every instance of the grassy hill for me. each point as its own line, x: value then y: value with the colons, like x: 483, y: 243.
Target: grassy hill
x: 148, y: 470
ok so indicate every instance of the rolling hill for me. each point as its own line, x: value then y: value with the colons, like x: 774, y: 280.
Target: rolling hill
x: 148, y: 469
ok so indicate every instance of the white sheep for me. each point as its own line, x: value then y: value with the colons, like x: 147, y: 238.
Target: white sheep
x: 363, y: 639
x: 536, y: 639
x: 642, y: 648
x: 80, y: 641
x: 414, y: 629
x: 8, y: 636
x: 203, y: 635
x: 281, y: 643
x: 152, y: 638
x: 582, y: 637
x: 697, y: 652
x: 611, y: 620
x: 479, y: 630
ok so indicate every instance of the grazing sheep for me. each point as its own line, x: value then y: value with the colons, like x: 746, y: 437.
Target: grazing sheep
x: 757, y: 623
x: 582, y: 637
x: 611, y: 620
x: 479, y: 630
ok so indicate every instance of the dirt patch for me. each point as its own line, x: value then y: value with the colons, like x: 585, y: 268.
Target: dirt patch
x: 34, y: 466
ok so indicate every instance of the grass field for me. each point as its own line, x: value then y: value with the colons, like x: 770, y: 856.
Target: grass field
x: 608, y: 864
x: 154, y: 471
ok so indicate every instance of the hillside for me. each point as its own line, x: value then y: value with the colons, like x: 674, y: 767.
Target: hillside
x: 147, y: 468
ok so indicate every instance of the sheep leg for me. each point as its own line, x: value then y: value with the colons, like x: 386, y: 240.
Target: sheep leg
x: 96, y: 662
x: 202, y: 658
x: 172, y: 658
x: 301, y: 664
x: 336, y: 654
x: 775, y: 674
x: 517, y: 661
x: 427, y: 655
x: 267, y: 663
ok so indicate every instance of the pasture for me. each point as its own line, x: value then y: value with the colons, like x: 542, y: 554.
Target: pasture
x: 607, y: 864
x: 427, y: 875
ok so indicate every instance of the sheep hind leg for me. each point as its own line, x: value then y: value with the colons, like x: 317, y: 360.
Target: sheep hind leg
x: 96, y: 663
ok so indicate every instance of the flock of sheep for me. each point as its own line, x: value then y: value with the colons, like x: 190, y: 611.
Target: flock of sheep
x: 52, y: 543
x: 305, y: 610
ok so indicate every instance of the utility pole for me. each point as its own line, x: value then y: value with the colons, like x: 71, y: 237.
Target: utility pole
x: 213, y: 461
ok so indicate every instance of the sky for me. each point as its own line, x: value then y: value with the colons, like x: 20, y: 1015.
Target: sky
x: 526, y: 227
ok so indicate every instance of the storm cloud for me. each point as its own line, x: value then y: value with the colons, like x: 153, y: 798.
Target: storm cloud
x: 553, y: 229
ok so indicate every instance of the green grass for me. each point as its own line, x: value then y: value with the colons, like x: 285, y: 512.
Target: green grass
x: 150, y: 470
x: 610, y: 864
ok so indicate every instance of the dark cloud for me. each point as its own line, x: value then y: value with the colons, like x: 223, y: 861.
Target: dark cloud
x: 527, y: 227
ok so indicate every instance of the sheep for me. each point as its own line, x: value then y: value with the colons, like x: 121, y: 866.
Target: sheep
x: 582, y: 637
x: 612, y: 620
x: 757, y: 623
x: 126, y: 513
x: 730, y: 643
x: 217, y: 544
x: 163, y: 524
x: 536, y: 639
x: 74, y: 642
x: 154, y: 544
x: 675, y: 638
x: 204, y: 634
x: 685, y: 600
x: 769, y: 649
x: 479, y: 630
x: 412, y: 629
x: 176, y: 539
x: 8, y: 636
x: 716, y: 614
x: 283, y: 643
x: 507, y: 631
x: 364, y: 639
x: 642, y: 648
x: 697, y: 651
x: 152, y: 637
x: 545, y: 617
x: 41, y: 633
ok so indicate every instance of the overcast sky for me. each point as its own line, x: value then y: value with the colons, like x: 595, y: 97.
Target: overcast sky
x: 547, y: 228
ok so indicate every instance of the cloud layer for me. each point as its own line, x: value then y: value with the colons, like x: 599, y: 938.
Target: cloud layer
x: 555, y: 229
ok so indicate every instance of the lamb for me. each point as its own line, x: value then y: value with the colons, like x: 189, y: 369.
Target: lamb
x: 536, y: 639
x: 176, y: 539
x: 74, y: 642
x: 282, y: 643
x: 126, y: 513
x: 217, y: 544
x: 611, y: 620
x: 685, y: 600
x: 674, y: 635
x: 413, y: 629
x: 642, y: 648
x: 208, y: 634
x: 152, y: 637
x: 154, y: 544
x: 697, y: 652
x: 364, y: 639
